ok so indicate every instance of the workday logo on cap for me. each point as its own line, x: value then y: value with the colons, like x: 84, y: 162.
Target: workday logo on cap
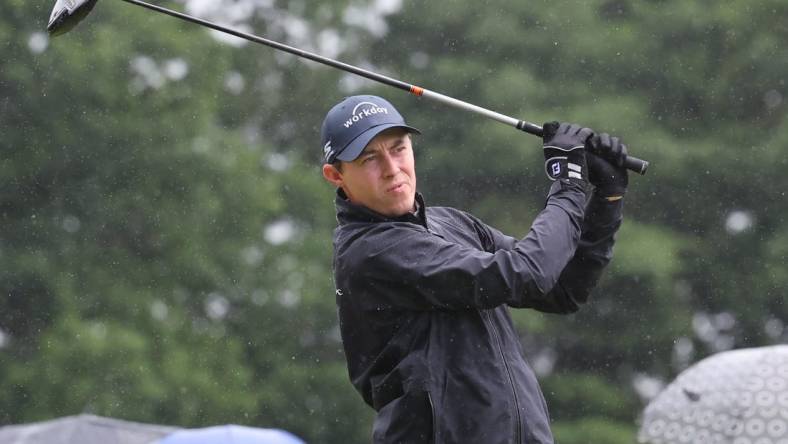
x: 353, y: 122
x: 362, y: 110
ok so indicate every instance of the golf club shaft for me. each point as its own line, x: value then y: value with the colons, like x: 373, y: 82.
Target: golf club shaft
x: 632, y: 163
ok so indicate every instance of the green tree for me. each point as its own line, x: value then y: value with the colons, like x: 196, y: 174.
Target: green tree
x: 158, y: 261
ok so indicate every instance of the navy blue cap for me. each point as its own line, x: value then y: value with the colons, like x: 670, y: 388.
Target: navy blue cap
x: 353, y: 122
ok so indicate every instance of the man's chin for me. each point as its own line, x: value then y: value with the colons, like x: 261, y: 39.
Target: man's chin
x: 401, y: 209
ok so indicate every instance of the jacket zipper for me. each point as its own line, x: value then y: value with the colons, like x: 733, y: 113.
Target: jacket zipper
x: 434, y: 418
x: 494, y: 330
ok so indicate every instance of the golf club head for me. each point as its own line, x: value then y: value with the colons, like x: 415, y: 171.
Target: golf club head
x: 67, y: 13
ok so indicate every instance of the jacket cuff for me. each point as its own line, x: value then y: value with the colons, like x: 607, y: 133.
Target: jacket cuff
x: 569, y: 196
x: 601, y: 212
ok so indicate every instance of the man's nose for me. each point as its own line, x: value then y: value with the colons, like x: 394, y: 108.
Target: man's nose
x: 390, y: 165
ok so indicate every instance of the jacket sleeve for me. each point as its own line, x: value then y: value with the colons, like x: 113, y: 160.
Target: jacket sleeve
x: 595, y: 249
x: 414, y: 269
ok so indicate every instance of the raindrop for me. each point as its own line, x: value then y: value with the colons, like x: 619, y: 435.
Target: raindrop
x: 314, y: 403
x: 683, y: 350
x: 772, y: 99
x: 419, y: 59
x: 647, y: 387
x: 38, y: 42
x: 682, y: 289
x: 289, y: 298
x: 295, y: 27
x: 278, y: 162
x: 216, y: 306
x: 71, y: 224
x: 148, y: 74
x: 252, y: 255
x: 724, y: 321
x: 335, y: 334
x: 234, y: 82
x: 159, y: 310
x: 349, y: 83
x: 279, y: 232
x: 739, y: 221
x: 369, y: 18
x: 176, y: 69
x: 307, y: 338
x: 201, y: 145
x: 98, y: 330
x: 273, y: 80
x: 180, y: 294
x: 723, y: 342
x: 259, y: 297
x: 544, y: 362
x: 774, y: 328
x: 388, y: 6
x: 703, y: 327
x: 330, y: 43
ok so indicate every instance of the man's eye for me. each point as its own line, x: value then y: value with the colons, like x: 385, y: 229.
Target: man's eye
x: 367, y: 159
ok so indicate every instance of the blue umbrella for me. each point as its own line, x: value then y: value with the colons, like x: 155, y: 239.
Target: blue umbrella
x: 231, y: 434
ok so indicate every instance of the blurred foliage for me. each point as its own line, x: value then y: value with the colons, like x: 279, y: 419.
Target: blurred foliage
x: 165, y: 251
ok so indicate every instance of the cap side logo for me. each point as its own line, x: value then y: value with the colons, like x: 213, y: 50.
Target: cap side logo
x: 359, y: 114
x: 327, y: 150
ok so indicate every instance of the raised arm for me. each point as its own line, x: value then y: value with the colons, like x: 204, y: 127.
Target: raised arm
x: 408, y: 267
x: 603, y: 216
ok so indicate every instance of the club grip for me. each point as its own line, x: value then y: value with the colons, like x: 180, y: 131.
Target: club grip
x: 637, y: 165
x: 631, y: 163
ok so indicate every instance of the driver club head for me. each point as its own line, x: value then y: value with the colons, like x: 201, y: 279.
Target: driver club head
x: 67, y: 13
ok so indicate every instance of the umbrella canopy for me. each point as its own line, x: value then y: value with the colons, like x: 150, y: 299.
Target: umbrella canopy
x: 737, y: 397
x: 83, y: 429
x: 231, y: 434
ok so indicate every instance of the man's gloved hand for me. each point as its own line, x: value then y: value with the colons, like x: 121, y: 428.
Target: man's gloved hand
x: 565, y: 151
x: 606, y: 169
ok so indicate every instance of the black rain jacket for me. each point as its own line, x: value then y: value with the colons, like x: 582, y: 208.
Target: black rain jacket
x: 422, y: 303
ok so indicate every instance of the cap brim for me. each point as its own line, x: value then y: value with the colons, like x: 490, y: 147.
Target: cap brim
x: 357, y: 145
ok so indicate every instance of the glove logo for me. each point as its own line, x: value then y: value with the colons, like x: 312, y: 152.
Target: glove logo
x: 556, y: 169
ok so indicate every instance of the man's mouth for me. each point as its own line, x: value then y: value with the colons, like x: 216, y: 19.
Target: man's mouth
x: 396, y: 187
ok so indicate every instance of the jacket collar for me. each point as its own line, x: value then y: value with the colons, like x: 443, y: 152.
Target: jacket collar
x: 348, y: 212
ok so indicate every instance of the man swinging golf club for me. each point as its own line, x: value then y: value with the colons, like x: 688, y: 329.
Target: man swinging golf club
x: 423, y: 292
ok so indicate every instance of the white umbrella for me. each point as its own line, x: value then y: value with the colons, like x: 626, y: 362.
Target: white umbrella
x: 83, y: 429
x: 734, y: 397
x: 231, y: 434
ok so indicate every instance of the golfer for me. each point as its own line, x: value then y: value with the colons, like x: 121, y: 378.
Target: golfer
x: 424, y: 292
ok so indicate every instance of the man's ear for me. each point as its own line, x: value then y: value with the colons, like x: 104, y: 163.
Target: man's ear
x: 333, y: 175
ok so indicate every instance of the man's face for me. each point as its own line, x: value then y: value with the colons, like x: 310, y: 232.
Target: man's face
x: 383, y: 177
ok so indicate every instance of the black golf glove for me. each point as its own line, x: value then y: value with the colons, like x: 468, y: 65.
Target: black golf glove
x: 606, y: 169
x: 565, y: 151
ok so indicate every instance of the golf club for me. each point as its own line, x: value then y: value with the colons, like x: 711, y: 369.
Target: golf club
x: 67, y: 13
